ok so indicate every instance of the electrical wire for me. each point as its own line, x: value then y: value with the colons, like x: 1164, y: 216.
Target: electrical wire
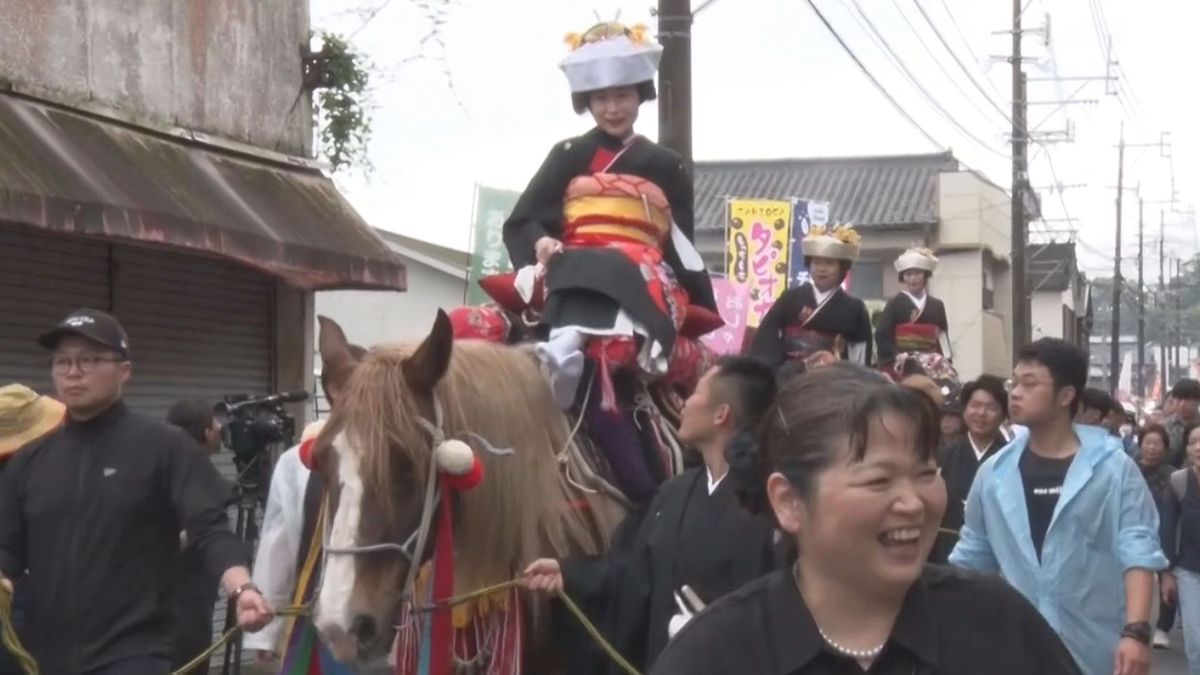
x: 895, y: 104
x: 962, y: 66
x: 963, y: 37
x: 899, y: 63
x: 941, y: 66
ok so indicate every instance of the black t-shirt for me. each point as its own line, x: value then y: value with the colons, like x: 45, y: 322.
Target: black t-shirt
x: 952, y: 621
x: 1043, y: 478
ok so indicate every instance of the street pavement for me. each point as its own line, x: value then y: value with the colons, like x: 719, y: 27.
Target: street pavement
x: 1170, y: 661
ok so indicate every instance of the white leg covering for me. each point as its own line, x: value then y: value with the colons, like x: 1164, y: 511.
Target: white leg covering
x: 562, y: 356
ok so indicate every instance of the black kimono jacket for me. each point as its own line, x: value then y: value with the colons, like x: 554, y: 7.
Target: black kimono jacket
x: 685, y: 536
x: 958, y: 465
x: 539, y: 211
x: 900, y: 309
x: 783, y: 334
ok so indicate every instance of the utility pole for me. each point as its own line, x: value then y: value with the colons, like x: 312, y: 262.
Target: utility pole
x: 1164, y: 373
x: 1020, y: 183
x: 675, y: 77
x: 1178, y: 319
x: 1141, y: 335
x: 1114, y: 363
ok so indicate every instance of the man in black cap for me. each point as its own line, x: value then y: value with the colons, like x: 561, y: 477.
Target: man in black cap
x: 94, y: 511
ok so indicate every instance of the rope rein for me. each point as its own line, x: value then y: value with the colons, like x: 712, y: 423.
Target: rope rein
x: 29, y: 664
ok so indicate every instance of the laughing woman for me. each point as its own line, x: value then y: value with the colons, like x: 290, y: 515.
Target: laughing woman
x: 855, y: 484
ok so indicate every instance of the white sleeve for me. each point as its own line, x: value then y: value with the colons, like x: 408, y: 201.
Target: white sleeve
x: 858, y: 352
x: 279, y: 546
x: 944, y: 343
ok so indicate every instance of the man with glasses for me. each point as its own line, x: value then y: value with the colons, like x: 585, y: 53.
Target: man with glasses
x: 94, y: 509
x: 1065, y: 517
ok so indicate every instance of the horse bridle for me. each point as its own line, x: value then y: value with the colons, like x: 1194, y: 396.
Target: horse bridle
x: 415, y: 543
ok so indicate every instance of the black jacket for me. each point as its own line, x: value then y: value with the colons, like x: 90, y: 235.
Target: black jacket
x: 94, y: 511
x: 685, y: 536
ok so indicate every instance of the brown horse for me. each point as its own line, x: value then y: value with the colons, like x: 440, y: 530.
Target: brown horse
x: 375, y: 455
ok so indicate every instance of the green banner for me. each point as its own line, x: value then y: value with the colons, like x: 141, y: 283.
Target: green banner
x: 488, y: 255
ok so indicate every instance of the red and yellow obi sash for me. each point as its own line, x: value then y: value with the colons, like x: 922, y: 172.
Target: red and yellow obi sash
x: 606, y: 208
x: 917, y: 337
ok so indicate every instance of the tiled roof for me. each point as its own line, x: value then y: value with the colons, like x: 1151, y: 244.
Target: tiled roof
x: 450, y: 256
x: 888, y: 191
x: 1051, y: 266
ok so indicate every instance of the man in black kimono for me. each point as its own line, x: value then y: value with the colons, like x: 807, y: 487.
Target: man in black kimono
x: 913, y: 320
x: 694, y: 539
x: 817, y: 319
x: 985, y: 409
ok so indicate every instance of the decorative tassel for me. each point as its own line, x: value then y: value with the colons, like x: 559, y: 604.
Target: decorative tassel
x: 442, y: 635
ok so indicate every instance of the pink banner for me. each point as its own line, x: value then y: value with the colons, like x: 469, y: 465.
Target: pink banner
x: 732, y: 302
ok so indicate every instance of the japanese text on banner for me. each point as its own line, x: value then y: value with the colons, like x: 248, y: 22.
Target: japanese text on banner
x: 732, y: 304
x: 488, y: 254
x: 757, y: 248
x: 805, y: 214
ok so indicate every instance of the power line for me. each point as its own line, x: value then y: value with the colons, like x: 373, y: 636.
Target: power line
x: 899, y: 63
x: 962, y: 36
x: 961, y: 65
x: 895, y: 104
x: 940, y: 65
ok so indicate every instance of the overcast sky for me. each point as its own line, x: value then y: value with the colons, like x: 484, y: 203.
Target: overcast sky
x: 770, y: 81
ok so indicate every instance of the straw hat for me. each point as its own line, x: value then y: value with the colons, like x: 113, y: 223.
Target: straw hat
x: 25, y: 417
x: 839, y: 242
x: 917, y: 259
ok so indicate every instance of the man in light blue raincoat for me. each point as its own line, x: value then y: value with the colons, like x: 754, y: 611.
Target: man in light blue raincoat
x: 1065, y: 516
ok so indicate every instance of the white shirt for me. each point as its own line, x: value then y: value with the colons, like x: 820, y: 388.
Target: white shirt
x: 979, y: 452
x: 820, y: 295
x: 712, y: 484
x: 919, y: 302
x: 275, y: 561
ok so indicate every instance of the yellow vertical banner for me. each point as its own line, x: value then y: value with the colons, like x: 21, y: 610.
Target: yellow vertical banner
x: 757, y: 237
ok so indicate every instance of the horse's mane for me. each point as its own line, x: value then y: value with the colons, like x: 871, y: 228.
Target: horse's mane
x: 523, y: 509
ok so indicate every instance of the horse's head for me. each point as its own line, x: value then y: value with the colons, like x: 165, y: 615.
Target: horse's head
x: 375, y: 457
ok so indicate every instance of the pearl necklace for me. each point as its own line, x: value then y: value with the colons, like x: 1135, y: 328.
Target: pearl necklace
x: 865, y: 654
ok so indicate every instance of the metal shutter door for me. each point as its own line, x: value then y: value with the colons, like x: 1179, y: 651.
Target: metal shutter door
x: 198, y: 328
x: 42, y: 279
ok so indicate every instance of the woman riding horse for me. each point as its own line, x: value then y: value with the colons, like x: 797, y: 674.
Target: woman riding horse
x: 912, y: 335
x: 604, y: 231
x: 913, y: 320
x: 818, y: 321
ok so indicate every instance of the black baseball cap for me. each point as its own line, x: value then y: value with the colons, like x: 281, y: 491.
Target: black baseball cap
x: 91, y: 324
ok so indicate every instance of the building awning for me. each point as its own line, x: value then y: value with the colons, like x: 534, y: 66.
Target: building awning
x: 75, y: 174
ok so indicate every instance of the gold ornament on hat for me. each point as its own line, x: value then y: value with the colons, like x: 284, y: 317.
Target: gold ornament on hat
x: 843, y: 232
x: 607, y: 30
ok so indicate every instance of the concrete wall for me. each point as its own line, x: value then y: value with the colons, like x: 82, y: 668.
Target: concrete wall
x: 229, y: 68
x: 1046, y: 314
x: 973, y: 212
x: 959, y: 283
x: 375, y: 317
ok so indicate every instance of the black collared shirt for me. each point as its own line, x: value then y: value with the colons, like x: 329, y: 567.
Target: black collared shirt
x: 952, y: 622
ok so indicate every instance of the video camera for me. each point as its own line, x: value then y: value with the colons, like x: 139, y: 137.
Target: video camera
x: 253, y: 425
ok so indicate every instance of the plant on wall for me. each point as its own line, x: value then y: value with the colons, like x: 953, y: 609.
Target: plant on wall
x: 338, y: 75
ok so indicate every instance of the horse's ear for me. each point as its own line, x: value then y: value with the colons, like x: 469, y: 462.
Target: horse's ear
x: 429, y: 363
x: 336, y: 357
